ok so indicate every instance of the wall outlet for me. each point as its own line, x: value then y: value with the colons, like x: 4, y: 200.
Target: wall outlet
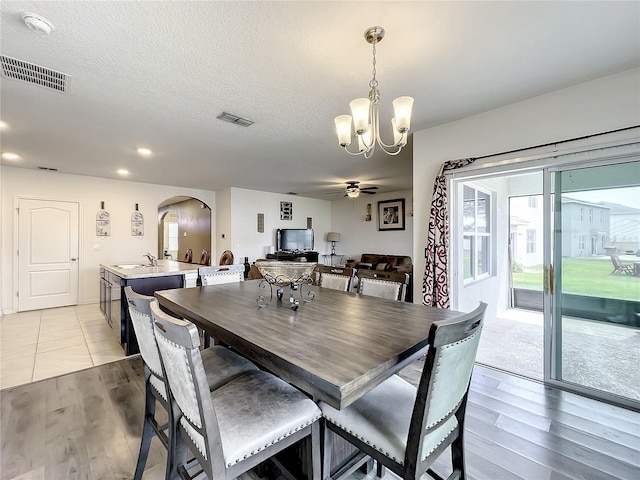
x: 97, y: 247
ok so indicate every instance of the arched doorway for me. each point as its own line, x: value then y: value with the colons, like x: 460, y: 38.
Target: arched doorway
x: 168, y: 242
x: 187, y: 222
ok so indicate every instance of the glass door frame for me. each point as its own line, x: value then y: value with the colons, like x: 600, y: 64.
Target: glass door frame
x: 621, y: 151
x: 551, y: 279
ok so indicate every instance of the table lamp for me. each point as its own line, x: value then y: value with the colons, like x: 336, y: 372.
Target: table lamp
x: 333, y: 237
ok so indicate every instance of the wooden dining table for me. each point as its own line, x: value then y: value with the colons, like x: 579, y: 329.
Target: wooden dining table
x: 335, y: 348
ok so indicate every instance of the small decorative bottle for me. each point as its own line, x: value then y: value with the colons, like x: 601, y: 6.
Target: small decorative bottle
x: 247, y: 267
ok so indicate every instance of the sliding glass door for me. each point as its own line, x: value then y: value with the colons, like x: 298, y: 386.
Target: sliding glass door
x: 592, y: 280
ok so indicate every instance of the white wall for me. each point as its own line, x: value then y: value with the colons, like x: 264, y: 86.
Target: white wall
x: 597, y: 106
x: 223, y: 225
x: 246, y: 241
x: 358, y: 236
x: 120, y: 198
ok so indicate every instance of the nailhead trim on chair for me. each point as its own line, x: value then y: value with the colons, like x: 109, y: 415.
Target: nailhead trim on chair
x: 438, y: 444
x: 387, y: 454
x: 162, y: 394
x: 274, y: 441
x: 204, y: 454
x: 362, y: 439
x: 436, y: 376
x: 193, y: 383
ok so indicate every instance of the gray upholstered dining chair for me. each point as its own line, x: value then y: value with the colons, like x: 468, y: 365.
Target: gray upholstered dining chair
x: 405, y: 429
x: 221, y: 365
x: 219, y: 274
x: 336, y: 278
x: 390, y: 285
x: 236, y: 427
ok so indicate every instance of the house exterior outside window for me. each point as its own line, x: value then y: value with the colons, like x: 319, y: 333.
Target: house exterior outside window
x: 531, y: 241
x: 582, y: 238
x: 476, y: 227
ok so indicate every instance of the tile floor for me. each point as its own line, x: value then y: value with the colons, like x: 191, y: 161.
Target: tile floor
x: 47, y: 343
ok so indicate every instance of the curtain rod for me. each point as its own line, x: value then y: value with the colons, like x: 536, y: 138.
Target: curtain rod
x: 559, y: 142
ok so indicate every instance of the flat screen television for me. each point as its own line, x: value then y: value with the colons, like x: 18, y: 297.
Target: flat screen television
x: 294, y: 239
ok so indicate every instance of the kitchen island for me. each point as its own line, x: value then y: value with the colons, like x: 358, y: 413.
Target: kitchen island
x: 144, y: 279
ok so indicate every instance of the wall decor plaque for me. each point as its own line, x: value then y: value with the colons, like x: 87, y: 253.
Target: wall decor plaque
x: 103, y: 222
x: 137, y: 224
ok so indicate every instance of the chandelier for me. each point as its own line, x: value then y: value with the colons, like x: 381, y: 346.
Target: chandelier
x: 366, y: 120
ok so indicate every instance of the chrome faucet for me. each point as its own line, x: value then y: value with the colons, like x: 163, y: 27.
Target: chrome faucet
x: 152, y: 259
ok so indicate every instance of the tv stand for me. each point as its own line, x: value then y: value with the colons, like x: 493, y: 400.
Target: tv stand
x: 294, y: 256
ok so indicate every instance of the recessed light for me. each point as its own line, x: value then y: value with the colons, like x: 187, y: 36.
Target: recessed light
x: 123, y: 171
x: 3, y: 124
x: 10, y: 156
x: 145, y: 152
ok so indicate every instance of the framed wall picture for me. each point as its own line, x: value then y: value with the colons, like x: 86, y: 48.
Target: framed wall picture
x: 286, y: 211
x: 391, y: 214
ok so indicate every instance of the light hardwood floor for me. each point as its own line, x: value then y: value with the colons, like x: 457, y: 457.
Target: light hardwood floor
x: 86, y: 425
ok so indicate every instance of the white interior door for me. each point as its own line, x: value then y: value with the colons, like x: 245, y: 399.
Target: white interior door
x: 47, y: 254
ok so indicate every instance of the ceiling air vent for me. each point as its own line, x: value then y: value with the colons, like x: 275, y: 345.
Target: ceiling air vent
x: 48, y: 168
x: 29, y: 72
x: 231, y: 118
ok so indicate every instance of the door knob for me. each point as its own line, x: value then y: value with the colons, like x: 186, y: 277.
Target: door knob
x: 73, y: 259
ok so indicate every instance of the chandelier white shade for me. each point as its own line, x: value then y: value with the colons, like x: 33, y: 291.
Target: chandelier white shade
x: 365, y: 116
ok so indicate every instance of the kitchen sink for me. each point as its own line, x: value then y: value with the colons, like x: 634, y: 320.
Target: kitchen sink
x: 131, y: 265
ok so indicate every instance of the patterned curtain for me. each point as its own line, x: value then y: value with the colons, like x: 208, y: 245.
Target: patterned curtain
x: 435, y: 286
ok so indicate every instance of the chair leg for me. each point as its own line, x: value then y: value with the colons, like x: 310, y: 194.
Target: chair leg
x: 315, y: 462
x: 457, y: 459
x: 327, y: 447
x: 380, y: 469
x: 148, y: 432
x: 171, y: 444
x: 179, y: 460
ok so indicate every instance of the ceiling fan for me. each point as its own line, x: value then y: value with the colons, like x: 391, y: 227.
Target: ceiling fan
x: 353, y: 190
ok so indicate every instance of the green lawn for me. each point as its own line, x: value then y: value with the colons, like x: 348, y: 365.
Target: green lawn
x: 585, y: 276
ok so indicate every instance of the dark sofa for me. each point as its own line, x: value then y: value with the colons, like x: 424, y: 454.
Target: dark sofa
x: 387, y: 263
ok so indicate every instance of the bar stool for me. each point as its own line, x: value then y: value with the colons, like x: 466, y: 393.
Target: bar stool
x: 238, y: 426
x: 220, y: 364
x: 406, y: 429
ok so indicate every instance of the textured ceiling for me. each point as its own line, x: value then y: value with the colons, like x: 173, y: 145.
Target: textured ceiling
x: 157, y: 74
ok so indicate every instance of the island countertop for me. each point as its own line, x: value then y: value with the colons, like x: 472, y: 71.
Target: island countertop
x: 142, y: 269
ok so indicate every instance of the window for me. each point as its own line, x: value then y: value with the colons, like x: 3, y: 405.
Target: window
x: 582, y: 214
x: 476, y: 227
x: 590, y: 215
x: 531, y: 241
x: 173, y: 236
x: 582, y: 242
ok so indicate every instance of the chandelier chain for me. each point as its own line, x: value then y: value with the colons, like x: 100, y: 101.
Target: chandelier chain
x: 374, y: 83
